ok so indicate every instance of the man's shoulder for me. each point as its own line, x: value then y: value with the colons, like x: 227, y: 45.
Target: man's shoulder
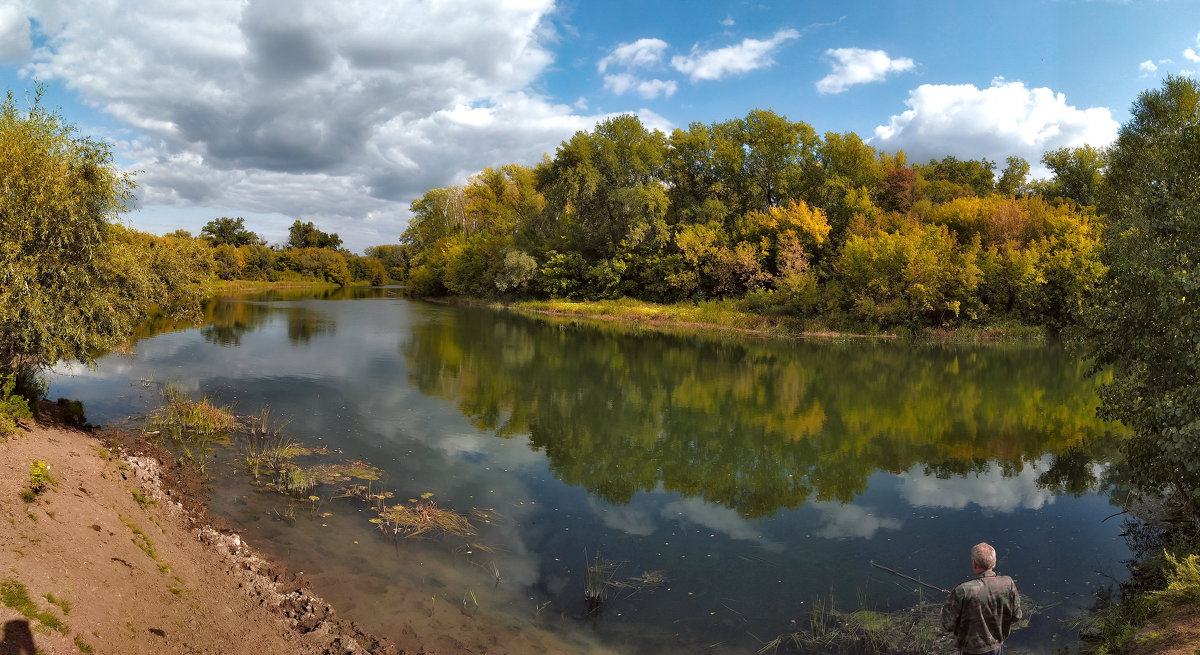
x: 980, y: 584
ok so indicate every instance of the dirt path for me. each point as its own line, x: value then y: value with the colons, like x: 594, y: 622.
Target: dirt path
x: 117, y: 558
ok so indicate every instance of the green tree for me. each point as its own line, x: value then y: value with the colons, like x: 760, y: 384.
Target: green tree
x: 1145, y: 324
x: 607, y: 186
x: 1078, y: 173
x: 1013, y: 179
x: 395, y: 258
x: 306, y: 235
x: 952, y: 177
x: 231, y: 231
x: 68, y: 289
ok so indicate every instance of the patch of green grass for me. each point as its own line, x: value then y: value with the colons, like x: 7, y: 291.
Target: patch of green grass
x: 189, y: 427
x: 142, y: 499
x: 183, y: 417
x: 143, y: 542
x: 15, y: 595
x: 63, y: 604
x: 83, y: 646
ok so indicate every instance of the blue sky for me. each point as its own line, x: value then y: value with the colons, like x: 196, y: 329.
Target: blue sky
x: 342, y: 112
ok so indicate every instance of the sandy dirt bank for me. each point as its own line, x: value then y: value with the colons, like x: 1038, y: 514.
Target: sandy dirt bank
x: 119, y: 557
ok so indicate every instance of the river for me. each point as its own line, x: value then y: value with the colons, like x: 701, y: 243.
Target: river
x: 727, y: 486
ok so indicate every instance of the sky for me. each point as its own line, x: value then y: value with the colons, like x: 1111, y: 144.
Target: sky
x: 342, y: 112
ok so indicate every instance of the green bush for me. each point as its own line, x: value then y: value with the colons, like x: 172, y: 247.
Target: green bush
x: 13, y: 407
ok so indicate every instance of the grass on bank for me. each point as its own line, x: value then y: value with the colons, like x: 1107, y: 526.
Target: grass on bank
x: 1163, y: 585
x: 15, y: 595
x: 184, y: 418
x: 223, y: 287
x: 732, y: 316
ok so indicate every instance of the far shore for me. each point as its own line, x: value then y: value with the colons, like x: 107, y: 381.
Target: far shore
x: 722, y: 318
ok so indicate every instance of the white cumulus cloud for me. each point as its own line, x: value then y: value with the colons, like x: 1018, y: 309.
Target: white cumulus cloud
x: 1006, y: 118
x: 340, y: 112
x: 859, y: 66
x: 1190, y: 54
x: 1147, y: 66
x: 622, y: 83
x: 643, y: 53
x: 749, y: 55
x: 15, y: 42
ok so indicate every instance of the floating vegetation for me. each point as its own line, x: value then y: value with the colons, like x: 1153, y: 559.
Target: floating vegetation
x: 267, y: 450
x: 913, y: 631
x: 421, y: 517
x: 342, y: 473
x: 598, y: 577
x: 295, y: 481
x: 364, y: 492
x: 470, y: 604
x: 268, y: 457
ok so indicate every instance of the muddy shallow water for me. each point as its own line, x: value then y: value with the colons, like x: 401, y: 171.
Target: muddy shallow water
x: 756, y: 477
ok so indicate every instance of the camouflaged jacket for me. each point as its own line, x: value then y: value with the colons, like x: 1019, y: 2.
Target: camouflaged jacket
x: 981, y: 612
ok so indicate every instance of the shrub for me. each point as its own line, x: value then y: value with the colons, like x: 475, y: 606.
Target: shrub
x: 13, y: 407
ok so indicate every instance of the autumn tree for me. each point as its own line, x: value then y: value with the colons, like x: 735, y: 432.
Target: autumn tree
x: 73, y: 282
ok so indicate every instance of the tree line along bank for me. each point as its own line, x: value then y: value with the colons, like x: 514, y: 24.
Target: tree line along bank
x: 765, y: 211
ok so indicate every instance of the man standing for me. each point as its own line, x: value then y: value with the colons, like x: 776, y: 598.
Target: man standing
x: 981, y: 611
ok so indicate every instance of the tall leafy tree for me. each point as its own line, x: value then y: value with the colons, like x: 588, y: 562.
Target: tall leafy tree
x: 72, y: 281
x: 1013, y: 179
x: 231, y: 231
x: 608, y: 185
x: 970, y: 176
x: 306, y: 235
x: 1145, y: 324
x: 1078, y: 173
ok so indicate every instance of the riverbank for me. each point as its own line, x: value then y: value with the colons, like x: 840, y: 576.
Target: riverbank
x: 728, y: 318
x: 118, y: 555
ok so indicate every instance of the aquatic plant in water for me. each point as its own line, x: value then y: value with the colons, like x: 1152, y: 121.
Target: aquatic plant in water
x: 600, y: 578
x: 196, y: 420
x: 420, y: 517
x: 190, y: 427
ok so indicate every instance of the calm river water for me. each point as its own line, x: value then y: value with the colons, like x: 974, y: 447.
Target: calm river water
x: 758, y: 477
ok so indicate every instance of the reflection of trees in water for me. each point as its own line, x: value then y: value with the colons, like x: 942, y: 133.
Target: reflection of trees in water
x: 226, y: 320
x: 304, y: 324
x: 755, y: 426
x: 229, y: 319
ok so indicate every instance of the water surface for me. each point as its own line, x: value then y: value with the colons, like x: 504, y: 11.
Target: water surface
x: 759, y: 477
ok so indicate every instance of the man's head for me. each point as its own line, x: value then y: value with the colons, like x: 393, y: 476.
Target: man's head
x: 983, y: 557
